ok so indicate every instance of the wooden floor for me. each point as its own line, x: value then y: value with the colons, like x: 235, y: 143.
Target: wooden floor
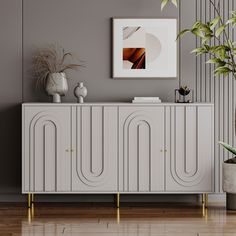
x: 104, y: 220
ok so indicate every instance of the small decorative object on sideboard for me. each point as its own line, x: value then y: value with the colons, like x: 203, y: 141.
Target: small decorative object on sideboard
x: 80, y: 92
x: 183, y: 95
x: 146, y: 100
x: 50, y: 64
x: 56, y: 86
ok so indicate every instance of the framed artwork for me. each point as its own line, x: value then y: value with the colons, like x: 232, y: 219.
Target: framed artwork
x: 144, y: 48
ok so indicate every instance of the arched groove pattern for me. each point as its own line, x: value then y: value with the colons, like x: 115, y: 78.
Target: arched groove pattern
x: 187, y: 167
x: 92, y: 161
x: 138, y: 141
x: 45, y: 130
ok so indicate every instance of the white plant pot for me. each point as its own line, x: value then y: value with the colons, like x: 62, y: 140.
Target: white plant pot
x: 229, y: 177
x: 229, y: 184
x: 57, y: 86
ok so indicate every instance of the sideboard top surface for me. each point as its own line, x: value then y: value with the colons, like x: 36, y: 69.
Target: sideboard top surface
x: 117, y: 104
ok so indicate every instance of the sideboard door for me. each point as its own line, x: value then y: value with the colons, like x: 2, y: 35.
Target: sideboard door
x: 141, y: 149
x: 189, y: 142
x: 46, y: 149
x: 94, y: 162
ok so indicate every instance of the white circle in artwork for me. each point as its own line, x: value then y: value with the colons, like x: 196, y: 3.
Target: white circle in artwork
x: 153, y: 47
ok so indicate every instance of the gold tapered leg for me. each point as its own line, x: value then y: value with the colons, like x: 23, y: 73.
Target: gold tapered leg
x: 32, y: 211
x: 29, y: 200
x: 118, y: 215
x: 29, y: 215
x: 118, y: 200
x: 205, y: 200
x: 32, y: 198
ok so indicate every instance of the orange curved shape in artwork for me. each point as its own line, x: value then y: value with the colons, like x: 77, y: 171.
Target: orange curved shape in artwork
x: 136, y: 56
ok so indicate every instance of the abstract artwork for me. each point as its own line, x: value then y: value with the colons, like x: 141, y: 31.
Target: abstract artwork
x: 144, y: 48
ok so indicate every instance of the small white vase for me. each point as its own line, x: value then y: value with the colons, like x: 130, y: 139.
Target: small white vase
x: 80, y: 92
x: 57, y: 86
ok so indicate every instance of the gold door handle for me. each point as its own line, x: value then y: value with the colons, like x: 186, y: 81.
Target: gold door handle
x: 165, y: 150
x: 161, y: 150
x: 72, y: 150
x: 67, y: 150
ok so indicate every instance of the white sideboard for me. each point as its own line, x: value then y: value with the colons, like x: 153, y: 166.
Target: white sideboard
x: 117, y: 148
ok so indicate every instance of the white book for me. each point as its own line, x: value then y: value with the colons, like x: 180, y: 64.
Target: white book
x: 146, y: 101
x: 146, y: 98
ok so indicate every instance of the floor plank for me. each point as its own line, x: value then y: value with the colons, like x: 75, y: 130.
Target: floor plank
x: 104, y: 219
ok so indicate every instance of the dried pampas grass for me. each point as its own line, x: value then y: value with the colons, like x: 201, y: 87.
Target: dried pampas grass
x: 51, y: 59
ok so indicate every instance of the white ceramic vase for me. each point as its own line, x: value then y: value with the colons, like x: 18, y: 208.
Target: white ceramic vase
x: 80, y: 92
x: 57, y: 86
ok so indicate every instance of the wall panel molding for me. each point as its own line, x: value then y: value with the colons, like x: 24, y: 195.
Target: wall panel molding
x: 218, y: 90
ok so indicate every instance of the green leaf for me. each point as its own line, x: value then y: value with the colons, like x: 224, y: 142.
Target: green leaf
x: 217, y: 61
x: 175, y: 2
x: 163, y: 3
x: 222, y: 54
x: 196, y: 24
x: 228, y: 147
x: 213, y: 61
x: 214, y: 22
x: 216, y: 49
x: 220, y: 50
x: 230, y: 43
x: 220, y: 30
x: 205, y: 28
x: 198, y: 32
x: 206, y: 47
x: 227, y: 48
x: 182, y: 33
x: 198, y: 51
x: 232, y: 20
x: 222, y: 70
x: 234, y: 13
x: 206, y: 38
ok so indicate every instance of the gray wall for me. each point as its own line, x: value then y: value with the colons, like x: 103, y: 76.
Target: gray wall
x: 84, y: 27
x: 10, y: 95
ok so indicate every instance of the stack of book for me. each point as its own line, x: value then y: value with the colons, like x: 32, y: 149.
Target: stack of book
x: 146, y: 100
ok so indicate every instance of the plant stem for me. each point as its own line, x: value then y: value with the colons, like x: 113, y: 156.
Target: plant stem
x: 218, y: 5
x: 226, y: 36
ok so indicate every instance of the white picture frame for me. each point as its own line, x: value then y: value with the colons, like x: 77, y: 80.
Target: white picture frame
x: 145, y: 48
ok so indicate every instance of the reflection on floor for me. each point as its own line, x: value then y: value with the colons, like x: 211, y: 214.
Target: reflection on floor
x: 91, y: 220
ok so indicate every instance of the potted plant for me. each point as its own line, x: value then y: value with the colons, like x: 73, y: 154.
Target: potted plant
x: 229, y: 177
x: 50, y: 64
x: 222, y: 55
x: 184, y: 91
